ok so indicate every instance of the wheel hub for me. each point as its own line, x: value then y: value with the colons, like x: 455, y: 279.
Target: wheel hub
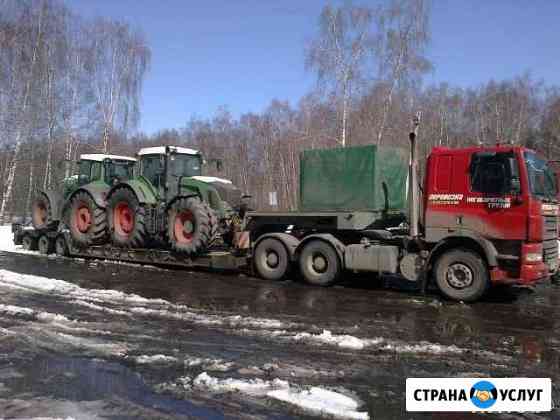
x: 124, y: 219
x: 319, y: 263
x: 459, y: 276
x: 184, y: 227
x: 83, y: 219
x: 272, y: 259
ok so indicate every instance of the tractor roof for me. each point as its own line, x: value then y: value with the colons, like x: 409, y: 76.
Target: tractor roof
x: 160, y: 150
x: 100, y: 157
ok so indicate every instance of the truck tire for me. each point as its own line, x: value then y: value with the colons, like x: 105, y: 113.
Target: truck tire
x: 41, y: 212
x: 45, y: 245
x: 192, y: 226
x: 127, y: 221
x: 319, y: 263
x: 29, y: 243
x: 461, y: 275
x: 271, y: 259
x: 61, y: 247
x: 87, y: 222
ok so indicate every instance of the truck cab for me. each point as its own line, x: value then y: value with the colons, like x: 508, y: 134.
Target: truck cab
x: 502, y: 200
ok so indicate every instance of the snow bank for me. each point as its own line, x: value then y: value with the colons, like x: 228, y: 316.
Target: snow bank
x: 155, y: 359
x: 351, y: 342
x: 322, y: 402
x: 7, y: 239
x: 28, y: 312
x: 345, y: 341
x: 316, y: 400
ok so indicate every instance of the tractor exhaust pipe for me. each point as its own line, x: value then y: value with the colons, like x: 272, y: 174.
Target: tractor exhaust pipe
x: 413, y: 195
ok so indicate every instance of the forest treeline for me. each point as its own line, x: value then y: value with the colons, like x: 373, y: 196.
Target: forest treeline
x: 69, y: 85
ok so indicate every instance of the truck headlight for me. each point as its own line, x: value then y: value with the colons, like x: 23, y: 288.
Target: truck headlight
x: 533, y: 257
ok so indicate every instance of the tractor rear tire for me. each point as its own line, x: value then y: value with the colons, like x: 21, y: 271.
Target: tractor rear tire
x: 127, y: 220
x: 86, y: 220
x: 41, y: 212
x: 192, y: 226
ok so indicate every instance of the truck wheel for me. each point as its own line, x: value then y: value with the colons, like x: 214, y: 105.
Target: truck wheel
x: 41, y: 214
x: 87, y: 222
x: 45, y: 245
x: 271, y: 259
x: 461, y: 275
x: 319, y: 263
x: 126, y: 219
x: 61, y: 247
x: 29, y: 243
x: 192, y: 226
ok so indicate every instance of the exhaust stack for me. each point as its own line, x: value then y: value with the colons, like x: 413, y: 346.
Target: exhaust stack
x: 413, y: 195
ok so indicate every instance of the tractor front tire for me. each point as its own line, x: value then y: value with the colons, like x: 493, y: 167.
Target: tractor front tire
x: 192, y: 226
x: 41, y: 212
x: 126, y: 217
x: 86, y: 220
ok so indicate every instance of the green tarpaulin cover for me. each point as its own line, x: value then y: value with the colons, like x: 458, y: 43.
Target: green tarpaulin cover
x: 353, y: 178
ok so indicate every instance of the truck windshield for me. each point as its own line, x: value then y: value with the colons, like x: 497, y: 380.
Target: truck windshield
x: 185, y: 165
x: 542, y: 179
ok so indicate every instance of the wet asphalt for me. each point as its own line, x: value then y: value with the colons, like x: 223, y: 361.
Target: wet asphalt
x: 512, y: 332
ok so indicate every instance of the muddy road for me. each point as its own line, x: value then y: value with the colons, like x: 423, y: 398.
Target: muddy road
x: 90, y: 339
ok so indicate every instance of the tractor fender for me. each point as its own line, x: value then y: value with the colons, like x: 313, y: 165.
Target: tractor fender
x: 98, y: 196
x: 186, y: 194
x: 338, y: 246
x: 290, y: 243
x: 56, y: 202
x: 468, y: 240
x: 141, y: 189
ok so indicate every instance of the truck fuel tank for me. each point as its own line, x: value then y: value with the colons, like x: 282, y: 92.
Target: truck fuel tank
x: 372, y: 257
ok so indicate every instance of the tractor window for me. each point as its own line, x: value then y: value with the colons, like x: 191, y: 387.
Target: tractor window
x: 490, y: 173
x: 95, y: 171
x: 152, y: 168
x: 118, y: 171
x: 85, y: 170
x: 185, y: 165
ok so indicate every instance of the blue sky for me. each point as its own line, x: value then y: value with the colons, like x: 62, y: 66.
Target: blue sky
x: 243, y: 53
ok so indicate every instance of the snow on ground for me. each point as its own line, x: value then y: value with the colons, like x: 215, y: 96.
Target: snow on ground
x: 131, y: 305
x: 315, y: 400
x: 7, y: 241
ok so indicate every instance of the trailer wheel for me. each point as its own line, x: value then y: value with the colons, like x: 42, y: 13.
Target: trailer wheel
x: 126, y: 219
x: 461, y: 275
x: 45, y: 245
x: 87, y: 221
x: 271, y: 259
x: 319, y: 263
x: 41, y: 213
x: 192, y: 226
x: 29, y: 243
x: 61, y: 247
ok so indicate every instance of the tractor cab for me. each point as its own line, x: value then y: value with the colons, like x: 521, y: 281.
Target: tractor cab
x: 108, y: 169
x: 166, y: 166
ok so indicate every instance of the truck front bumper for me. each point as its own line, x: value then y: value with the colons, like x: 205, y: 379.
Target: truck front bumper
x: 528, y: 274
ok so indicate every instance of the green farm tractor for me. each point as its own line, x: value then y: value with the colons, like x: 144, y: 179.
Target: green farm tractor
x: 170, y: 203
x: 80, y: 202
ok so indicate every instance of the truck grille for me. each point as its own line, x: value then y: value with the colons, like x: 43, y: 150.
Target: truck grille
x: 550, y: 241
